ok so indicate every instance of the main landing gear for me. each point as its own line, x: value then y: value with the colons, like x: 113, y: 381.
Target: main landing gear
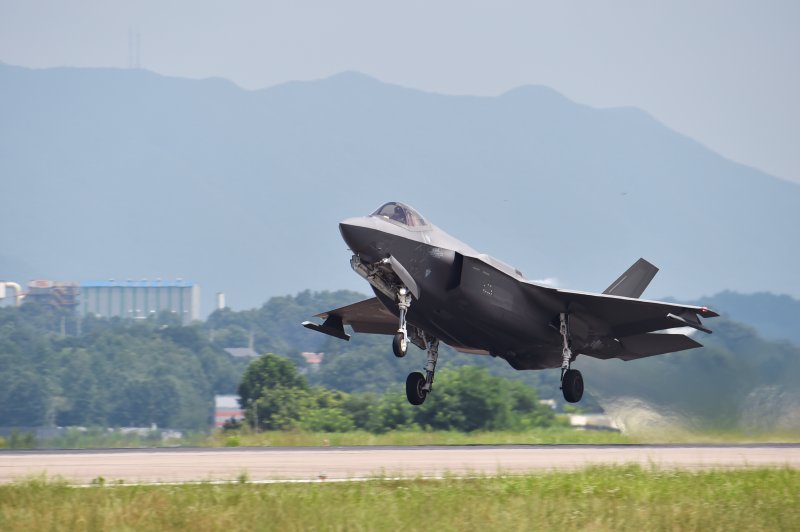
x: 571, y: 379
x: 418, y: 385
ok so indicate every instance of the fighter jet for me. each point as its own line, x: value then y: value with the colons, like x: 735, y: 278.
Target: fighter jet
x: 430, y: 287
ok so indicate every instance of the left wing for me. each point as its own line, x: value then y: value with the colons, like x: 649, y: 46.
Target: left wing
x: 368, y: 316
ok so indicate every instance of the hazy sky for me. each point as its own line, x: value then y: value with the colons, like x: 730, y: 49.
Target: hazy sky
x: 726, y: 73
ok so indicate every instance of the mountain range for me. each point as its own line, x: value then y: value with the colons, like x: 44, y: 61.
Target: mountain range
x: 111, y: 173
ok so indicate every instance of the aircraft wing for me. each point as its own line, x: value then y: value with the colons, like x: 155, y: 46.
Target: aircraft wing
x: 650, y: 344
x: 624, y: 316
x: 368, y: 316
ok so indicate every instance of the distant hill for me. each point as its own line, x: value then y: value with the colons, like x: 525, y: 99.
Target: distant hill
x: 776, y: 317
x: 129, y: 174
x: 738, y: 380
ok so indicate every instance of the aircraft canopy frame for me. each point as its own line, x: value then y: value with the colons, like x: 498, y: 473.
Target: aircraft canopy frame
x: 400, y: 213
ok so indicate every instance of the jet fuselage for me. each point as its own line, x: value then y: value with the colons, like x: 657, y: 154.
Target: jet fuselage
x: 431, y: 287
x: 480, y: 306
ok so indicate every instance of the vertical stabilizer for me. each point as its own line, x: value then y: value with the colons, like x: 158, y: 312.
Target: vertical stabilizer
x: 633, y: 282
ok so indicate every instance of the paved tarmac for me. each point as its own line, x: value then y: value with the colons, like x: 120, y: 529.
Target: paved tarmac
x: 335, y: 463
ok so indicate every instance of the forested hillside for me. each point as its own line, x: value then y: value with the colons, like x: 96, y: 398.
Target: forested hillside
x: 739, y: 380
x: 57, y: 371
x: 114, y: 373
x: 365, y: 363
x: 774, y: 316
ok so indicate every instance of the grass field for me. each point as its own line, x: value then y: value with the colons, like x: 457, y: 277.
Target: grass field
x: 621, y: 498
x: 555, y: 435
x: 414, y: 437
x: 101, y: 438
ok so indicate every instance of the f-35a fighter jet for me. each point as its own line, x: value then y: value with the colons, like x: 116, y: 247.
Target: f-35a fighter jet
x: 430, y: 287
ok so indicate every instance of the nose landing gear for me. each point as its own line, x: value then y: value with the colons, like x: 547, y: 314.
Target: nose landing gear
x: 400, y: 342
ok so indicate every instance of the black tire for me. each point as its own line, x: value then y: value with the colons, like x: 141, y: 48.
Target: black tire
x: 572, y: 386
x: 397, y: 346
x: 414, y: 392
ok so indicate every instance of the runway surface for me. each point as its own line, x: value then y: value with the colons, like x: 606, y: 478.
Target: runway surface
x: 333, y: 463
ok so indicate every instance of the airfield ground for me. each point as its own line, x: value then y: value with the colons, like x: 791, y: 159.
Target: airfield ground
x: 604, y: 498
x: 342, y: 463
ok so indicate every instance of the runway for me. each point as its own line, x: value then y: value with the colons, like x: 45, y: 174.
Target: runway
x: 337, y: 463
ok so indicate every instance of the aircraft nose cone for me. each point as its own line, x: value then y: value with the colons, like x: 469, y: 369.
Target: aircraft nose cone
x: 356, y: 233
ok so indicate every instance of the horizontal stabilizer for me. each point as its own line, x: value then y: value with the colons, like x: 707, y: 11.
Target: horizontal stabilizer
x: 332, y: 326
x: 689, y: 319
x: 647, y: 345
x: 633, y: 282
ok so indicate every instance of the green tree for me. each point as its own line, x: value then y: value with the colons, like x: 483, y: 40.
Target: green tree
x: 26, y: 401
x: 327, y: 412
x: 470, y: 398
x: 392, y: 412
x: 273, y: 392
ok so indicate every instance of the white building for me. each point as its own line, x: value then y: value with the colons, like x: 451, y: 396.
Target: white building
x: 140, y: 299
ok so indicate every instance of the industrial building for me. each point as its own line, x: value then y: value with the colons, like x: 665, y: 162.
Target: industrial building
x: 4, y: 292
x: 226, y: 407
x: 140, y: 299
x: 63, y: 294
x: 125, y: 299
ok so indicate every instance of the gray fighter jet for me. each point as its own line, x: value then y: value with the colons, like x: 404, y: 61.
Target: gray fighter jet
x: 430, y: 287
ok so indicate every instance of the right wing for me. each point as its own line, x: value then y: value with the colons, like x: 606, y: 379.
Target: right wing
x: 368, y: 316
x: 632, y: 321
x: 650, y: 344
x: 624, y: 316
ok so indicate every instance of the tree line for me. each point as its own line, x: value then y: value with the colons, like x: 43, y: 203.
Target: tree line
x: 275, y: 396
x: 114, y: 373
x: 57, y: 370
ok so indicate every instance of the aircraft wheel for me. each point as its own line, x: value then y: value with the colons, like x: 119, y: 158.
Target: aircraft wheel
x: 400, y: 345
x: 572, y: 385
x: 414, y: 383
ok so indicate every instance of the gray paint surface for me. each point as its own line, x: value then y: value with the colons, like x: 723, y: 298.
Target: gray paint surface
x: 474, y: 302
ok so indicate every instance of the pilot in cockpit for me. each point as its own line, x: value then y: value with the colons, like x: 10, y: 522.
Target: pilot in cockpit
x: 399, y: 215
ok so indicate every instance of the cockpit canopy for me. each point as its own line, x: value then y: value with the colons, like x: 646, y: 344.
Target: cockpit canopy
x: 401, y: 213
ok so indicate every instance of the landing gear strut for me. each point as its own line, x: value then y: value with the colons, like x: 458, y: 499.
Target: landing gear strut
x: 418, y: 386
x: 400, y: 342
x: 571, y: 379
